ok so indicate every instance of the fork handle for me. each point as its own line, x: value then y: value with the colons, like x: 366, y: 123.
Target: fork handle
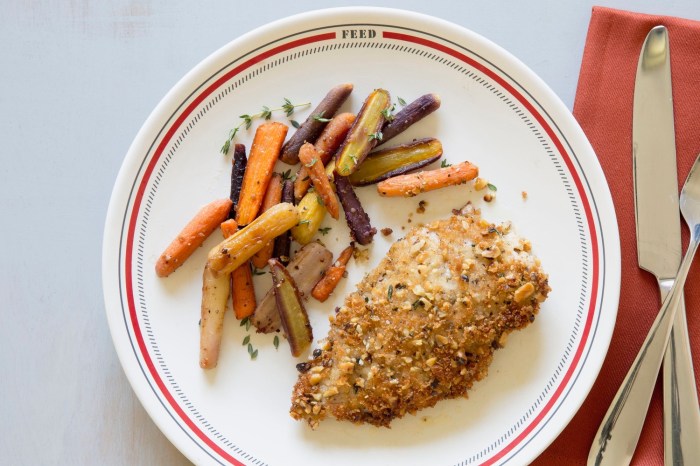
x: 681, y: 412
x: 617, y: 436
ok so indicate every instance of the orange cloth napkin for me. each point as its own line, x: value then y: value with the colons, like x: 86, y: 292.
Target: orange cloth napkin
x: 603, y: 108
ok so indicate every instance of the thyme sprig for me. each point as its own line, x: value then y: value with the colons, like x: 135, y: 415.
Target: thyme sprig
x: 321, y: 118
x: 265, y: 113
x: 378, y: 136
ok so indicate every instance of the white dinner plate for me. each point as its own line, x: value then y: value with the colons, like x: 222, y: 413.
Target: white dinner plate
x: 495, y: 113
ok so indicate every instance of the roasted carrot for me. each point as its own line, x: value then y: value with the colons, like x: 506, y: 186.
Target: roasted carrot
x: 315, y: 123
x: 273, y: 196
x: 229, y: 227
x: 326, y: 145
x: 365, y: 132
x: 361, y: 228
x: 235, y: 250
x: 345, y: 255
x: 263, y: 154
x: 327, y: 284
x: 237, y: 171
x: 283, y: 243
x: 312, y: 161
x: 330, y: 280
x: 243, y: 291
x: 215, y: 290
x: 192, y: 236
x: 416, y: 183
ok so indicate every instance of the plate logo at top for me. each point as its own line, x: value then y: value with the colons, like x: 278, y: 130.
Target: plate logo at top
x: 358, y: 33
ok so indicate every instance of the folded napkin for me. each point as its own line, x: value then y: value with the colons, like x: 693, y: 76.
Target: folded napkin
x: 603, y: 108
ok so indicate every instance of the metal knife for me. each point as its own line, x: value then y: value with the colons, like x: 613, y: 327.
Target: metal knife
x: 658, y: 252
x: 659, y: 236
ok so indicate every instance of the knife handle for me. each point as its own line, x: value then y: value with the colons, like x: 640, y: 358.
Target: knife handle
x: 681, y: 411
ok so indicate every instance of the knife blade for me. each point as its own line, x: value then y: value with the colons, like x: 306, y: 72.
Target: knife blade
x: 654, y: 161
x: 659, y: 252
x: 659, y: 235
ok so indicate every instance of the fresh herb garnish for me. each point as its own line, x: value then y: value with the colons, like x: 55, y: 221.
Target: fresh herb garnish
x: 401, y: 101
x: 308, y: 222
x: 244, y: 321
x: 320, y: 201
x: 311, y: 163
x: 319, y: 117
x: 388, y: 113
x: 445, y: 164
x: 254, y: 354
x: 276, y: 341
x: 286, y: 175
x: 378, y: 136
x: 390, y: 292
x: 492, y: 187
x: 257, y: 271
x: 246, y: 340
x: 265, y: 113
x: 295, y: 123
x: 324, y: 230
x: 288, y: 107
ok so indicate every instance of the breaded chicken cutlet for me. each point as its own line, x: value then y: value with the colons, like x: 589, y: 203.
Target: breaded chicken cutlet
x: 423, y: 326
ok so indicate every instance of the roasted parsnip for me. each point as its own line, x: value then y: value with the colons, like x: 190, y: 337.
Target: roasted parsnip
x: 215, y: 292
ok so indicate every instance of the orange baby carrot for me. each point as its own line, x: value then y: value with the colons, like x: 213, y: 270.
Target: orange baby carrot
x: 263, y: 154
x: 416, y: 183
x: 326, y: 145
x: 327, y: 284
x: 312, y: 161
x: 273, y: 196
x: 192, y: 236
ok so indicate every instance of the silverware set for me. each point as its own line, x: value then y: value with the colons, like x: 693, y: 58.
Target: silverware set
x: 659, y: 252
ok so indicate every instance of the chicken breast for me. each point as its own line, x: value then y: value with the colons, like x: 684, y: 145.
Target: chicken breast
x: 423, y: 326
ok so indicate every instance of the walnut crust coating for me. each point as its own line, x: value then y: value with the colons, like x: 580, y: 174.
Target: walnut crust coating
x: 424, y: 324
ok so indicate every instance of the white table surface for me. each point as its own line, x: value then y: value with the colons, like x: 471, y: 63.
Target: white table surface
x: 78, y: 79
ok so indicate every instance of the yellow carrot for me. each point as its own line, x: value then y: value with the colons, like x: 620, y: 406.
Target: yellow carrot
x: 311, y: 214
x: 232, y: 252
